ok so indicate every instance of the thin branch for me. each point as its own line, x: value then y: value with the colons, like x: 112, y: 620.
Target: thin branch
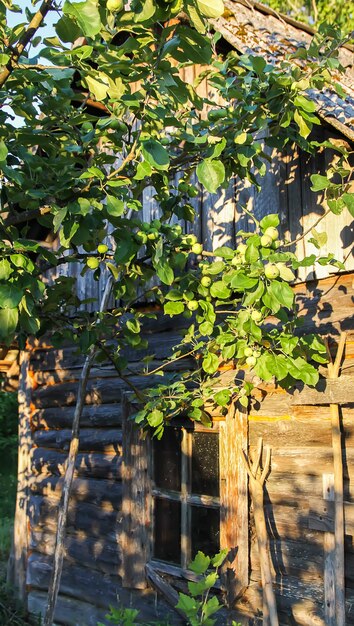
x: 157, y: 369
x: 26, y: 216
x: 29, y: 33
x: 290, y: 243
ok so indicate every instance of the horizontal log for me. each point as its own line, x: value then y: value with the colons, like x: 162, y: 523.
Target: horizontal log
x: 107, y: 440
x: 160, y: 346
x: 68, y: 612
x: 96, y: 521
x: 53, y: 377
x: 98, y: 492
x: 82, y: 589
x: 92, y: 464
x: 288, y: 521
x: 102, y: 416
x: 327, y: 391
x: 96, y: 553
x: 101, y: 391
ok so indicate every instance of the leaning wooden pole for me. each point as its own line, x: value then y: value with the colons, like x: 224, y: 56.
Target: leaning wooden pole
x: 69, y: 474
x: 339, y: 552
x: 257, y: 477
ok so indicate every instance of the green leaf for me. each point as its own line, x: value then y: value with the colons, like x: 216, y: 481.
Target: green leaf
x: 258, y: 63
x: 155, y: 154
x: 301, y: 370
x: 8, y: 323
x: 5, y: 269
x: 67, y: 30
x: 3, y: 151
x: 224, y: 252
x: 174, y: 295
x: 304, y: 103
x: 206, y: 328
x: 348, y: 199
x: 173, y: 308
x: 252, y: 253
x: 210, y: 8
x: 10, y: 296
x: 155, y: 418
x: 277, y: 365
x: 220, y: 290
x: 319, y: 182
x: 210, y: 363
x: 134, y: 326
x: 186, y: 604
x: 143, y: 170
x: 240, y: 282
x: 148, y: 9
x: 200, y: 563
x: 86, y: 15
x: 115, y: 207
x: 211, y: 173
x: 304, y: 127
x: 222, y: 398
x: 268, y: 221
x: 98, y: 86
x: 164, y: 272
x: 282, y: 292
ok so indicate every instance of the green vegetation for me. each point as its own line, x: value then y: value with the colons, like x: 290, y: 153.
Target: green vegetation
x: 314, y: 12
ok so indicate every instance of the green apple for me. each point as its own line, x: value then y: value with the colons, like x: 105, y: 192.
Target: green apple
x: 266, y: 241
x: 206, y: 281
x: 92, y: 262
x: 197, y: 248
x: 251, y: 361
x: 271, y: 271
x: 256, y: 316
x: 192, y: 305
x: 248, y: 352
x: 102, y: 248
x: 153, y: 234
x: 115, y: 5
x: 272, y: 232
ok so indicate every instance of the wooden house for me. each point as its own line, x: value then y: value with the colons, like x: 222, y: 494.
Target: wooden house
x: 132, y: 529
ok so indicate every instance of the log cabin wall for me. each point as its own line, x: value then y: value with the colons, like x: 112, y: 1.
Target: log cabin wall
x: 300, y: 437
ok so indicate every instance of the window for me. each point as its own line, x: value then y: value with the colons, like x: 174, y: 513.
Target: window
x: 185, y: 493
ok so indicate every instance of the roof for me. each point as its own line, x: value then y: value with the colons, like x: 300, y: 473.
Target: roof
x: 253, y: 28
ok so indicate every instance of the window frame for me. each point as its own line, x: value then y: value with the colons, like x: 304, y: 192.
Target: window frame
x: 138, y: 492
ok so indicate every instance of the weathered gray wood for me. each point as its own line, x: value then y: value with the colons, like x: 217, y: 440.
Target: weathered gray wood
x: 102, y: 416
x: 329, y: 558
x: 96, y: 553
x: 327, y: 391
x: 163, y: 587
x: 107, y: 440
x: 97, y: 521
x: 136, y: 504
x: 234, y: 503
x: 18, y: 558
x: 69, y: 611
x: 93, y: 465
x: 98, y: 492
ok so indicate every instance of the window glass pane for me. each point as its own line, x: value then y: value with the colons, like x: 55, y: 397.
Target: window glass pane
x: 205, y: 530
x: 167, y: 531
x: 167, y: 459
x: 205, y: 464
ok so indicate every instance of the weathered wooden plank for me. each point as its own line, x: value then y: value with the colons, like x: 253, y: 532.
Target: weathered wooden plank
x: 329, y: 558
x: 69, y: 611
x: 327, y: 391
x: 99, y: 521
x: 136, y: 504
x: 98, y: 492
x: 234, y: 503
x: 97, y: 553
x: 17, y: 563
x: 94, y: 465
x: 101, y: 416
x: 108, y: 440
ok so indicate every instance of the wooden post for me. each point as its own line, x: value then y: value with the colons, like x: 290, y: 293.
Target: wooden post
x: 329, y: 559
x: 16, y: 573
x: 257, y: 479
x: 234, y: 503
x: 339, y: 577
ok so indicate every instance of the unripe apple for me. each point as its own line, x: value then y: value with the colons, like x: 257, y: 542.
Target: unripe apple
x: 190, y: 239
x: 192, y: 305
x: 205, y: 281
x: 256, y: 354
x: 156, y: 224
x: 197, y: 248
x: 271, y: 271
x: 140, y: 236
x: 256, y: 316
x: 248, y: 352
x: 102, y: 248
x: 266, y: 241
x: 153, y: 234
x: 92, y: 262
x: 237, y: 260
x: 272, y: 232
x: 241, y: 248
x: 251, y: 361
x: 115, y: 5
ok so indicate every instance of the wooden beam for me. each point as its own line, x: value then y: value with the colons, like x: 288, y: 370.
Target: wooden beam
x: 327, y: 391
x: 329, y: 558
